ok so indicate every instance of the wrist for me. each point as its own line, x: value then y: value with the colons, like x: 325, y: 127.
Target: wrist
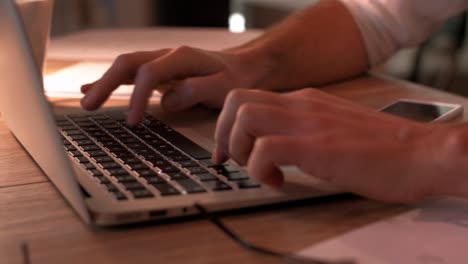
x: 256, y: 64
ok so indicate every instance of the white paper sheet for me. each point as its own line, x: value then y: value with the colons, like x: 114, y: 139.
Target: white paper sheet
x: 435, y: 233
x: 67, y: 83
x: 107, y: 44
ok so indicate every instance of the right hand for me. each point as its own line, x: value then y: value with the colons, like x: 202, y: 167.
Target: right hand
x: 185, y: 76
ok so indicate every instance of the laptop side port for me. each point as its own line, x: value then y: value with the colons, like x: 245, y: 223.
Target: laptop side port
x: 157, y: 213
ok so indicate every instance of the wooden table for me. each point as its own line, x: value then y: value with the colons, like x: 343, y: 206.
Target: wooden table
x: 32, y: 210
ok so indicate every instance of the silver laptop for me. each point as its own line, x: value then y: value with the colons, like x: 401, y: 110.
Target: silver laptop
x: 114, y: 174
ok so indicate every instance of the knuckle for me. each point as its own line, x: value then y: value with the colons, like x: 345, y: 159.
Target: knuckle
x: 145, y: 72
x: 309, y: 92
x: 183, y: 49
x: 265, y: 144
x: 124, y: 60
x: 456, y: 143
x: 236, y: 96
x: 246, y: 111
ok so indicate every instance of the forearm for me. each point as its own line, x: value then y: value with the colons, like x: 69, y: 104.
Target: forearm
x: 318, y: 45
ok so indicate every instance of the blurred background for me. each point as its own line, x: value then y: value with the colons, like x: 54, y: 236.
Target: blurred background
x: 440, y: 62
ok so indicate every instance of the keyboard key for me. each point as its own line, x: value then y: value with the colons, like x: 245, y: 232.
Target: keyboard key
x: 179, y: 158
x: 166, y: 189
x: 139, y: 166
x: 169, y: 169
x: 90, y: 147
x: 73, y: 132
x: 146, y: 173
x: 141, y: 193
x: 188, y: 163
x: 247, y: 184
x: 153, y: 156
x: 98, y: 134
x: 78, y: 137
x: 217, y: 185
x: 109, y: 142
x: 110, y: 165
x: 104, y: 138
x: 133, y: 185
x: 119, y: 196
x: 75, y: 153
x: 102, y: 179
x: 206, y: 177
x: 225, y: 169
x: 69, y: 147
x: 206, y: 162
x: 116, y: 148
x: 144, y: 152
x: 96, y: 153
x: 109, y: 126
x: 123, y: 154
x: 135, y: 146
x: 125, y: 178
x: 95, y: 172
x: 160, y: 163
x: 177, y: 175
x: 102, y: 159
x: 86, y: 124
x: 83, y: 142
x: 154, y: 141
x: 88, y: 165
x: 236, y: 176
x: 68, y: 127
x: 154, y: 179
x: 129, y: 140
x: 131, y: 160
x: 197, y: 170
x: 117, y: 171
x: 170, y: 152
x: 191, y: 186
x: 82, y: 159
x: 111, y: 187
x: 185, y: 144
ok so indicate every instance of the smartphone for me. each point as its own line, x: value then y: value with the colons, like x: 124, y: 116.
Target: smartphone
x: 423, y: 111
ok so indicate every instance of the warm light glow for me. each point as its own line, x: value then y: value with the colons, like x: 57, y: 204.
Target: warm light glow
x: 236, y: 23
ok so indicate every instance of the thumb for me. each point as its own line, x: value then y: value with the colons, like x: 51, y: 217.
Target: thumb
x: 192, y: 91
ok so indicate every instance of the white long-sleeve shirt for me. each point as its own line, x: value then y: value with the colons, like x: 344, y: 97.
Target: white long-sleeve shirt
x: 388, y: 25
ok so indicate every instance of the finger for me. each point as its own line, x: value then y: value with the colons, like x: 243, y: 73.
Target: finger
x: 179, y: 64
x: 268, y: 155
x: 259, y: 120
x: 86, y: 87
x: 192, y: 91
x: 239, y: 97
x: 123, y: 69
x: 271, y: 152
x: 226, y: 119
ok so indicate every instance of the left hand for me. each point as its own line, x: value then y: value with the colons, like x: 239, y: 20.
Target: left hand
x: 358, y: 149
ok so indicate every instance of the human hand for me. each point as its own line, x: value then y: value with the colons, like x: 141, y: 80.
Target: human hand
x: 354, y: 148
x: 186, y: 77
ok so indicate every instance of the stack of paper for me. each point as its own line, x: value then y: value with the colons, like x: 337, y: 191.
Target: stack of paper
x: 67, y: 83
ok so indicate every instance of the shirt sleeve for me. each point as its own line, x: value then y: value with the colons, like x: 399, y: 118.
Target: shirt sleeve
x: 388, y: 25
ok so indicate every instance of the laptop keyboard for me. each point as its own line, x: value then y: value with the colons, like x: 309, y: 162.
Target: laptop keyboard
x: 146, y: 161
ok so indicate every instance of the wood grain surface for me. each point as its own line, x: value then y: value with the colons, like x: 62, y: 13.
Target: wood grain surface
x: 32, y: 210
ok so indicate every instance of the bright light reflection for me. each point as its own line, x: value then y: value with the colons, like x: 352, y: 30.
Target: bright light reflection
x: 236, y: 23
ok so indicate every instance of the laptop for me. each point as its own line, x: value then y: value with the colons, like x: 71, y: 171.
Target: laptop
x: 113, y: 174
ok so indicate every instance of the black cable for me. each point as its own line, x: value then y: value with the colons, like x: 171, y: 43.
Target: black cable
x: 287, y: 257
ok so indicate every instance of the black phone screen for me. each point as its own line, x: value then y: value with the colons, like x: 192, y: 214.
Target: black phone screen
x: 417, y: 111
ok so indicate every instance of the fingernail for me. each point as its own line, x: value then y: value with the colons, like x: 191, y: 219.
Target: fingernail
x: 84, y: 102
x: 218, y: 156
